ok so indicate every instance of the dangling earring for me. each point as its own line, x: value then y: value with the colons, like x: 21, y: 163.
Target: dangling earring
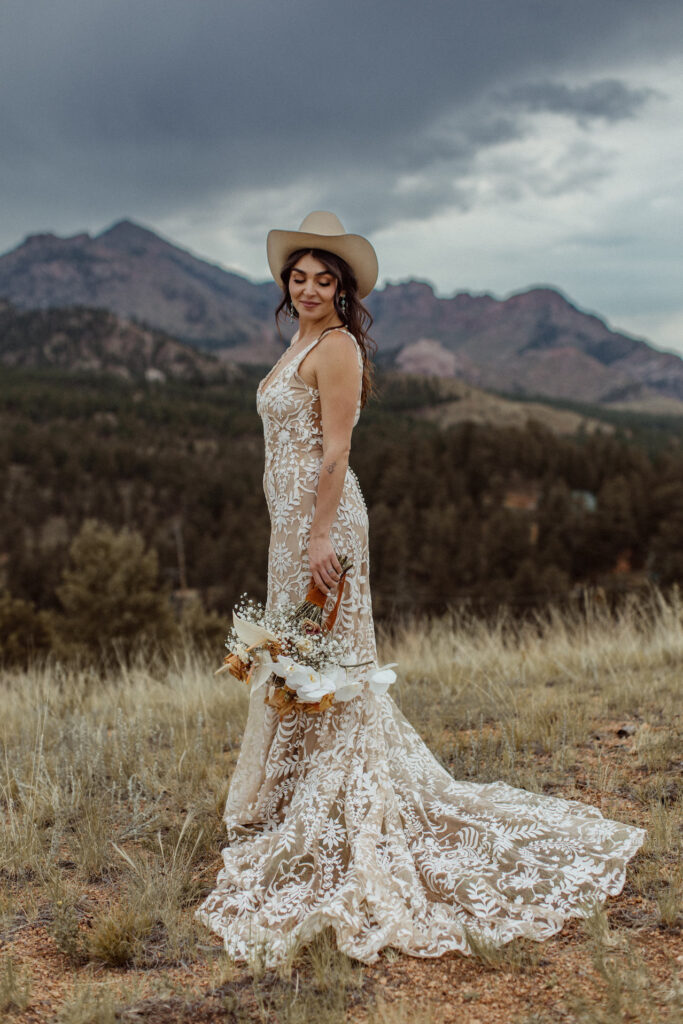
x: 342, y: 305
x: 291, y: 312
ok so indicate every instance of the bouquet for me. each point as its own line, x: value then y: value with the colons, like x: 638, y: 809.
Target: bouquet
x: 292, y: 652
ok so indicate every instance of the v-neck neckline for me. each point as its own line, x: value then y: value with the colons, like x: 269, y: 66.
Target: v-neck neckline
x: 273, y: 374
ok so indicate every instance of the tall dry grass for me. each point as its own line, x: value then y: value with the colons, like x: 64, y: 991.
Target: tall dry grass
x: 112, y: 789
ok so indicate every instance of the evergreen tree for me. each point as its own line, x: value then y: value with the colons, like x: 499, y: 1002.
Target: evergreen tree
x: 110, y: 593
x: 666, y: 559
x: 24, y: 632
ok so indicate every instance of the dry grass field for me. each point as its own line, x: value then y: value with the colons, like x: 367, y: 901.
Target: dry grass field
x: 112, y: 790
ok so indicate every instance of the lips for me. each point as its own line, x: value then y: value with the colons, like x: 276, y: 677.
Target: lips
x: 310, y: 305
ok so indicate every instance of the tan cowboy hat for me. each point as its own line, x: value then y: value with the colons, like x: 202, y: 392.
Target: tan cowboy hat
x: 323, y: 230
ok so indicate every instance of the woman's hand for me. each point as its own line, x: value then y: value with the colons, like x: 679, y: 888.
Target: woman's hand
x: 324, y: 564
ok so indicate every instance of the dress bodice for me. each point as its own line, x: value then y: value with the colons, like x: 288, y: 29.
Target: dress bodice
x: 293, y: 431
x: 290, y: 410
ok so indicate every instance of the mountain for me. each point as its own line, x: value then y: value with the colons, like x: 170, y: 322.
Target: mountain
x: 96, y: 341
x: 131, y: 271
x: 533, y: 343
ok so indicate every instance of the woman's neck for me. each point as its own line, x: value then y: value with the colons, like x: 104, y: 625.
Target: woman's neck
x: 310, y: 329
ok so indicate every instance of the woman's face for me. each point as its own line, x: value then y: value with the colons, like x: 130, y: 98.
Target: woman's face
x: 312, y: 289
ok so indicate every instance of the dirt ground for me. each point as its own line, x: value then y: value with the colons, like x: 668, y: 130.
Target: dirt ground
x: 451, y: 988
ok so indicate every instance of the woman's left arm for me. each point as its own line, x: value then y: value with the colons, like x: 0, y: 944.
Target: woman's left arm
x: 338, y: 383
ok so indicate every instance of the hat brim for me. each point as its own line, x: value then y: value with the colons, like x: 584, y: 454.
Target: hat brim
x: 355, y: 249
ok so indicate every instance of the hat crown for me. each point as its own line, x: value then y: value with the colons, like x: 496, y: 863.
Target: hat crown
x: 322, y: 222
x: 322, y: 229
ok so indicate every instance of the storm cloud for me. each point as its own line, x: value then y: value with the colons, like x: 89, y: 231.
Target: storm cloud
x: 607, y: 99
x: 212, y: 121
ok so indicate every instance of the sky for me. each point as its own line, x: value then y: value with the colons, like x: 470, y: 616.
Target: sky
x: 481, y: 145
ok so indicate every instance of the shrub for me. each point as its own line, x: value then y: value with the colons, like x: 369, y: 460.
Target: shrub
x: 23, y: 630
x: 110, y: 594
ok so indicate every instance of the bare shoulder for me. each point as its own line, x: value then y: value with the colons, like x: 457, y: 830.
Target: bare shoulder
x: 333, y: 359
x: 339, y: 335
x: 339, y: 347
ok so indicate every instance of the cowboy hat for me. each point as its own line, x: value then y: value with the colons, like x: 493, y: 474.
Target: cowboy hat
x: 323, y: 230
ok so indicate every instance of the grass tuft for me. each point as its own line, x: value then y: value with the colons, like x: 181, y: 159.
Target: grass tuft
x: 90, y: 1003
x: 118, y: 935
x: 15, y: 987
x: 517, y: 955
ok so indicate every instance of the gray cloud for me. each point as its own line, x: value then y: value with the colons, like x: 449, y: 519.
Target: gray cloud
x: 607, y: 99
x: 143, y: 108
x: 247, y: 115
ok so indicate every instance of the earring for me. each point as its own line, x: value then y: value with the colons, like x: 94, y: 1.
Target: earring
x: 291, y: 312
x: 342, y: 304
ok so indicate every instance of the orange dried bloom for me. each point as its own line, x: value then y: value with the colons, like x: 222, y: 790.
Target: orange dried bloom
x: 315, y: 709
x: 236, y: 667
x: 282, y: 699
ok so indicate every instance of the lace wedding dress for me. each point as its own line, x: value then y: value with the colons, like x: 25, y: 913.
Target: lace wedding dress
x: 345, y: 818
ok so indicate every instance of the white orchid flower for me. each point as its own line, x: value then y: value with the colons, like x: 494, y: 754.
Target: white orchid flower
x: 382, y: 678
x: 250, y: 633
x: 314, y: 688
x: 285, y: 666
x: 309, y: 684
x: 345, y: 688
x: 311, y: 695
x: 347, y: 692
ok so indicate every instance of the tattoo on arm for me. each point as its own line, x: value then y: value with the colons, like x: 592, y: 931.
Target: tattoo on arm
x: 331, y: 467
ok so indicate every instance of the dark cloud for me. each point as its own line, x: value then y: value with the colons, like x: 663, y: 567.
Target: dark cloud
x: 147, y: 108
x: 607, y: 99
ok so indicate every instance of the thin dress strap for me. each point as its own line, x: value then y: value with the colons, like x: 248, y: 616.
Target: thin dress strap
x: 298, y: 360
x: 344, y: 330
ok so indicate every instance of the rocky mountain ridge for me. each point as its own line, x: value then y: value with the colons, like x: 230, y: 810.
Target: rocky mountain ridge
x: 533, y: 343
x: 82, y: 339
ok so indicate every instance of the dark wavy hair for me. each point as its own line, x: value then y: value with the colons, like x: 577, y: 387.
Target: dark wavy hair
x: 356, y: 317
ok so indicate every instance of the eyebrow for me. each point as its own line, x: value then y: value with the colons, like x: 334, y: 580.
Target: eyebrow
x: 320, y: 273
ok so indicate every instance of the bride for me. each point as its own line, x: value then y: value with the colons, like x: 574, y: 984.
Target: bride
x: 345, y: 818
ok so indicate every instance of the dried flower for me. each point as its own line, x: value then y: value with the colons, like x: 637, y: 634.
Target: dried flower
x: 233, y: 664
x: 292, y: 650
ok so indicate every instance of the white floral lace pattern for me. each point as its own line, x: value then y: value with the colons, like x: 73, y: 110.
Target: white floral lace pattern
x: 346, y: 818
x: 294, y: 450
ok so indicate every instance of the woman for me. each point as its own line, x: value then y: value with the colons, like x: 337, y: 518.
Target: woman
x: 345, y: 818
